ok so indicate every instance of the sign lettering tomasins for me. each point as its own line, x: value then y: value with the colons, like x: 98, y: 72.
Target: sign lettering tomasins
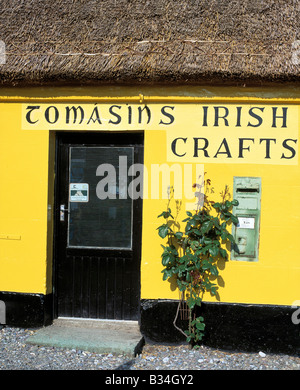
x: 198, y: 133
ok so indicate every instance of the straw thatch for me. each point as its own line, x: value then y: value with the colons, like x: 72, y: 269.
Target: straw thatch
x: 150, y: 41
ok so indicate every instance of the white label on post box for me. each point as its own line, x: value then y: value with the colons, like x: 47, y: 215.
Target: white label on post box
x: 246, y: 223
x: 79, y: 192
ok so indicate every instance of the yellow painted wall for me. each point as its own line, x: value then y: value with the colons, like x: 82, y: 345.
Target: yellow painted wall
x: 275, y: 278
x: 27, y: 175
x: 23, y: 204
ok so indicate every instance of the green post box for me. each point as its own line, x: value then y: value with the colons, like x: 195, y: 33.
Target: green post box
x: 247, y: 190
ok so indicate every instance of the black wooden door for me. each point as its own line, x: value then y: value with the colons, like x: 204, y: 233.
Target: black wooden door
x: 98, y: 225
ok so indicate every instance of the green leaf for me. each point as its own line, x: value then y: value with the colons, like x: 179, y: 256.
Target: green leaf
x: 205, y: 265
x: 200, y: 325
x: 235, y: 202
x: 216, y: 222
x: 182, y: 259
x: 197, y: 232
x: 223, y: 253
x: 194, y: 245
x: 224, y: 235
x: 189, y: 213
x: 166, y: 259
x: 166, y: 214
x: 214, y: 251
x: 216, y: 243
x: 234, y: 219
x: 163, y: 231
x: 197, y: 217
x: 213, y: 290
x: 231, y: 238
x: 214, y: 270
x: 167, y: 274
x: 178, y: 235
x: 227, y: 203
x: 205, y: 227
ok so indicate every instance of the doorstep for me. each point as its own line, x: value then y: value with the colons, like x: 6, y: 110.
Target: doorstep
x: 98, y: 336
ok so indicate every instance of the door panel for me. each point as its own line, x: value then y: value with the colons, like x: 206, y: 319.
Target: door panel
x: 94, y: 222
x: 98, y: 228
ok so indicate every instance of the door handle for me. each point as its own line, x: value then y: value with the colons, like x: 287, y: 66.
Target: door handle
x: 62, y: 212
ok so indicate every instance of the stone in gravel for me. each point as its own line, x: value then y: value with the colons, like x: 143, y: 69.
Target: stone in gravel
x: 262, y: 354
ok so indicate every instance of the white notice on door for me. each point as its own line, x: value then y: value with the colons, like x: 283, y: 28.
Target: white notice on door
x: 246, y: 223
x: 79, y: 192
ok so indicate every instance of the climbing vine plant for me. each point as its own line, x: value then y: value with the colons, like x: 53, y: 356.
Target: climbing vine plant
x: 191, y: 255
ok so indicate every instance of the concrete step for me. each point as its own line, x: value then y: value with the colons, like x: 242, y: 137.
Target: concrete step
x: 99, y: 336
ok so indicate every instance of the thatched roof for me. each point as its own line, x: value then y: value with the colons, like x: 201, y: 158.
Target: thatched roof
x: 150, y: 41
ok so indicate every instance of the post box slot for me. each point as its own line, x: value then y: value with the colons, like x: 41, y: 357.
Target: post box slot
x: 247, y: 190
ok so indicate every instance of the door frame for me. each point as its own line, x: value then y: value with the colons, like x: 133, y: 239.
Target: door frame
x: 138, y: 136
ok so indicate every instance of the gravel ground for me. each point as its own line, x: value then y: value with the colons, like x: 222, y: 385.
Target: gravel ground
x: 15, y: 354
